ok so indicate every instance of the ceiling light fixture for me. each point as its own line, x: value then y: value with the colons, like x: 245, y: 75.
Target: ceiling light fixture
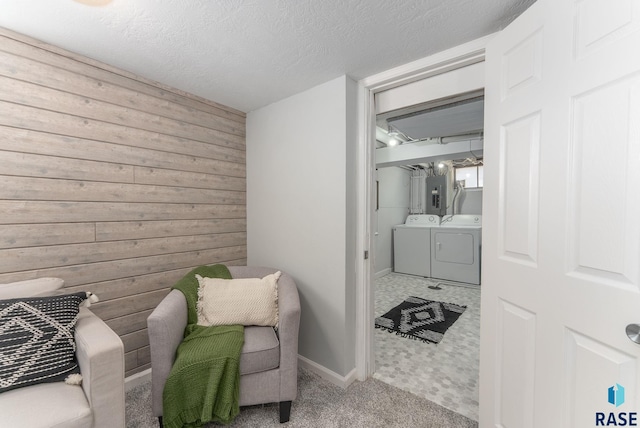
x: 393, y: 142
x: 393, y: 132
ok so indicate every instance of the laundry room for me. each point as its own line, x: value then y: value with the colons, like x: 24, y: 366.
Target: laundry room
x: 428, y: 236
x: 429, y: 173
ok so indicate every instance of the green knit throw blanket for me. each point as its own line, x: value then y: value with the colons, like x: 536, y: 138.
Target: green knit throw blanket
x: 204, y: 382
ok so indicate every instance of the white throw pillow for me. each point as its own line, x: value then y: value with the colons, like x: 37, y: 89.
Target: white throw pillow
x: 30, y: 287
x: 245, y: 301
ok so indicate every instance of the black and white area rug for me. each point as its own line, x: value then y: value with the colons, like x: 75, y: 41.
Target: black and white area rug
x: 420, y: 319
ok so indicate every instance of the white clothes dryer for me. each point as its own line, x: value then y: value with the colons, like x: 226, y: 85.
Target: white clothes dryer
x: 412, y: 244
x: 456, y: 248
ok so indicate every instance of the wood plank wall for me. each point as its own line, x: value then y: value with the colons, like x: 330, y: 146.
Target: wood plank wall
x: 114, y: 183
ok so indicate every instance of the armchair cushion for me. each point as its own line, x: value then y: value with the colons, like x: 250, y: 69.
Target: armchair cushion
x: 244, y: 301
x: 37, y: 339
x: 47, y: 405
x: 261, y: 350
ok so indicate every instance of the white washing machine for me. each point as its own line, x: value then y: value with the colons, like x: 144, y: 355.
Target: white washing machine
x: 412, y: 244
x: 456, y: 248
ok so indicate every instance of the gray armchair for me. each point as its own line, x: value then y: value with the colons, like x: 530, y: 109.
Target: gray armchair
x: 98, y: 403
x: 268, y: 361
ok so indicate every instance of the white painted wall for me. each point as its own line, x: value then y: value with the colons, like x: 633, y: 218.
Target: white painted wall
x: 394, y: 186
x: 301, y: 211
x: 471, y: 201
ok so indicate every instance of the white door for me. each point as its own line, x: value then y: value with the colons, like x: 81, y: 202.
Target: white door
x: 561, y: 235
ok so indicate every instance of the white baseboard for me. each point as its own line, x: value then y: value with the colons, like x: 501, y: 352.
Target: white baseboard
x: 382, y: 273
x: 326, y: 374
x: 136, y: 379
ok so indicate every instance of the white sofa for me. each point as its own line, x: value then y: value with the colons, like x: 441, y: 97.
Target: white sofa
x: 98, y: 402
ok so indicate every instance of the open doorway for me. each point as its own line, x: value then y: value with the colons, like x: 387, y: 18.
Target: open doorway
x: 466, y: 62
x: 428, y: 234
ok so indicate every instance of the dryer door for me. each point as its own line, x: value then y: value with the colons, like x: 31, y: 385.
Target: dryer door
x: 454, y: 247
x: 455, y: 255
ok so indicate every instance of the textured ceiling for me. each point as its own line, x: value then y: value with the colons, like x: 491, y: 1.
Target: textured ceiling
x: 250, y: 53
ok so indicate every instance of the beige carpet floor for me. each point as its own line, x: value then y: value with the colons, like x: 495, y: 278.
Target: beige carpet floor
x: 321, y: 404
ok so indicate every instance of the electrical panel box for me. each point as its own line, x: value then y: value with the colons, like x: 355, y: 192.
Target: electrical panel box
x: 437, y: 195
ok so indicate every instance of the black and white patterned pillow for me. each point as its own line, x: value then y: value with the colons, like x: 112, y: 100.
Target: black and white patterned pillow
x: 37, y: 342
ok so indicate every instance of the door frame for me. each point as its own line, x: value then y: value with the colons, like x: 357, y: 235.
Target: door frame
x: 442, y: 62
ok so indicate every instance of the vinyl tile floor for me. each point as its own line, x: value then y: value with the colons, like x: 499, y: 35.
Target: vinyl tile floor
x: 446, y: 373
